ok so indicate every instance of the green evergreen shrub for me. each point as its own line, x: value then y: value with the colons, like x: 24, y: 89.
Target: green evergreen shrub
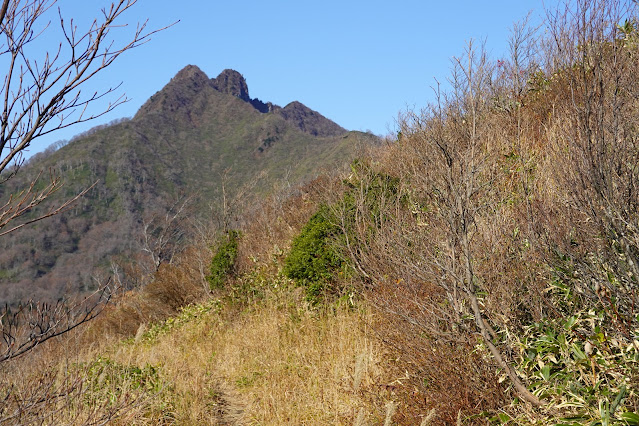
x: 223, y: 263
x: 313, y: 261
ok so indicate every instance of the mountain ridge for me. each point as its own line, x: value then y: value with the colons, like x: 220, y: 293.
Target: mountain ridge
x: 191, y: 81
x: 196, y: 137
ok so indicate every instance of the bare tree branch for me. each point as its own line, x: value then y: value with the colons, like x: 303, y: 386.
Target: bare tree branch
x: 42, y: 97
x: 163, y: 234
x: 31, y: 324
x: 41, y: 93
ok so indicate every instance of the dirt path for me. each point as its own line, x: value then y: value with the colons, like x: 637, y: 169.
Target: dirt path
x: 226, y: 408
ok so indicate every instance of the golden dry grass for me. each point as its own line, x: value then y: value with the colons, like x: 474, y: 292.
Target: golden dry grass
x: 276, y: 363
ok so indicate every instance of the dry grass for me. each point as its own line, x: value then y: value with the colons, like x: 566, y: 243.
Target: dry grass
x: 173, y: 286
x: 76, y: 389
x: 275, y: 363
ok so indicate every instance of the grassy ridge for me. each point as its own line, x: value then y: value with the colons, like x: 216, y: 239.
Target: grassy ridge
x: 274, y: 362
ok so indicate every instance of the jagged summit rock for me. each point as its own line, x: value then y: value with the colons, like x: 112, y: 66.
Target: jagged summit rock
x: 232, y: 82
x: 186, y: 96
x: 178, y: 97
x: 193, y: 74
x: 310, y: 121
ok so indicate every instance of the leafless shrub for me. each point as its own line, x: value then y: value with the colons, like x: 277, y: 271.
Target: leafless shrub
x: 29, y: 325
x: 593, y: 135
x: 164, y: 235
x: 172, y: 287
x: 422, y: 242
x: 55, y: 397
x: 278, y: 219
x: 524, y: 173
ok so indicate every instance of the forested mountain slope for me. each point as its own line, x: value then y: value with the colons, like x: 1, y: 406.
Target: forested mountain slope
x: 194, y: 141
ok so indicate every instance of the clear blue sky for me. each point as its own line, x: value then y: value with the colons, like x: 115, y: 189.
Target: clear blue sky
x: 357, y: 62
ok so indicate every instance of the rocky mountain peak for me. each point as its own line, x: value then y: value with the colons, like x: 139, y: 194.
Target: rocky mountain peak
x: 310, y: 121
x: 232, y: 82
x: 191, y: 74
x: 188, y: 93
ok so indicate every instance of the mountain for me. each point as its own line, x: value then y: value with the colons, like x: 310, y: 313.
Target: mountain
x: 197, y: 137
